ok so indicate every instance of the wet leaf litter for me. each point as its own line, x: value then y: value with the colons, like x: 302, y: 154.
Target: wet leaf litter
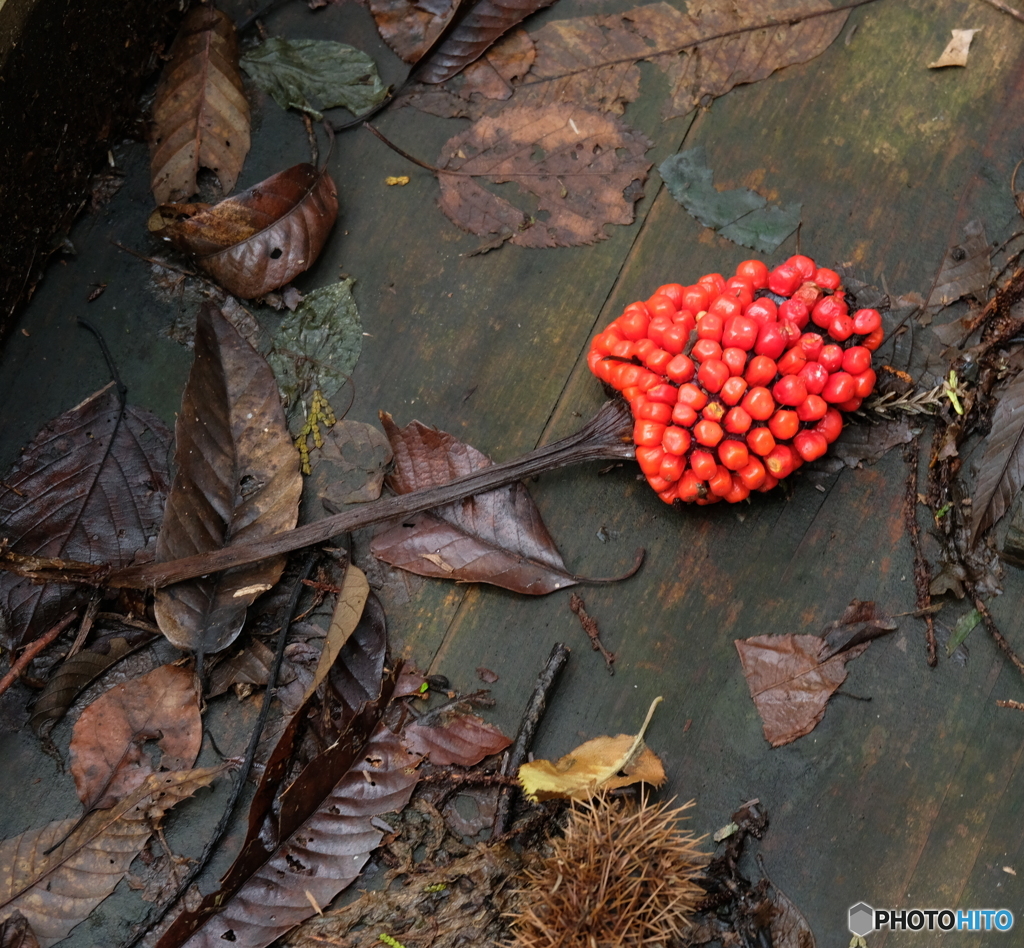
x: 310, y: 390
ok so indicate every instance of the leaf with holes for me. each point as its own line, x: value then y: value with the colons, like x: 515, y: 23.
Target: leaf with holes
x: 108, y: 760
x: 90, y: 488
x: 200, y: 116
x: 57, y: 890
x: 238, y: 479
x: 584, y: 169
x: 497, y: 537
x: 311, y: 75
x: 1001, y: 472
x: 259, y: 239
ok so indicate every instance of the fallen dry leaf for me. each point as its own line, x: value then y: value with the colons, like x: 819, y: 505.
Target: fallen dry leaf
x: 87, y: 488
x: 108, y: 761
x: 57, y: 891
x: 200, y: 115
x: 249, y: 669
x: 1001, y: 471
x: 966, y: 271
x: 497, y: 537
x: 261, y: 238
x: 604, y: 763
x: 15, y: 932
x: 859, y: 443
x: 347, y: 612
x: 721, y: 44
x: 955, y: 53
x: 584, y: 168
x: 349, y: 468
x: 461, y: 739
x: 238, y: 479
x: 409, y: 27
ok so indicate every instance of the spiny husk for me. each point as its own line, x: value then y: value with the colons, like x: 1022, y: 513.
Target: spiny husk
x: 622, y: 874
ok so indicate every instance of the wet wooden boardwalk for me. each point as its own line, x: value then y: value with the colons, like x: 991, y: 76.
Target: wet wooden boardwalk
x: 914, y: 798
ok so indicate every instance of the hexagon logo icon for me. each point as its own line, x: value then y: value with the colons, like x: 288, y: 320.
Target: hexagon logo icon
x: 862, y: 919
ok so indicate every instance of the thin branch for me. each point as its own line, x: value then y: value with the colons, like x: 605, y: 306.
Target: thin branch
x: 1007, y: 9
x: 1010, y: 703
x: 997, y: 636
x: 922, y: 571
x: 33, y: 649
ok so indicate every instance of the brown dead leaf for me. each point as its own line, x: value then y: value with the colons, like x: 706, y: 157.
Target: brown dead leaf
x: 248, y: 669
x: 238, y: 479
x: 1001, y: 471
x: 349, y: 468
x: 955, y: 53
x: 966, y: 271
x: 584, y: 169
x: 200, y: 115
x: 462, y: 739
x: 261, y: 238
x: 720, y: 44
x: 497, y: 537
x: 409, y: 27
x: 57, y: 891
x: 604, y: 763
x: 108, y: 760
x: 15, y: 932
x: 355, y: 590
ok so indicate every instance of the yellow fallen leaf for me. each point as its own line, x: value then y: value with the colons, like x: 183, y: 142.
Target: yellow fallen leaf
x: 402, y: 180
x: 604, y: 763
x: 955, y: 53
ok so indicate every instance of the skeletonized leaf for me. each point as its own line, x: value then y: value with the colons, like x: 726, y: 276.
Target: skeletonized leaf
x: 599, y: 765
x: 1001, y: 472
x: 318, y: 345
x: 238, y: 479
x: 200, y: 115
x: 261, y: 238
x: 497, y: 537
x: 955, y: 53
x: 57, y: 891
x: 966, y: 270
x: 470, y: 38
x: 108, y: 761
x: 74, y: 674
x: 311, y: 75
x: 87, y: 488
x: 462, y: 739
x: 593, y: 59
x: 584, y: 168
x: 740, y: 215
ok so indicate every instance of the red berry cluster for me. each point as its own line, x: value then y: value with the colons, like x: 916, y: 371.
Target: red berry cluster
x: 731, y: 390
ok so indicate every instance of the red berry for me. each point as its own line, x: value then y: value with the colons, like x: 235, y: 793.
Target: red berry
x: 841, y: 328
x: 725, y: 306
x: 657, y: 327
x: 670, y: 496
x: 708, y: 433
x: 663, y: 393
x: 709, y: 326
x: 674, y: 338
x: 784, y: 424
x: 733, y: 454
x: 789, y: 390
x: 784, y: 280
x: 852, y: 405
x: 650, y: 459
x: 623, y: 349
x: 696, y: 298
x: 827, y: 279
x: 873, y: 340
x: 689, y: 487
x: 680, y: 369
x: 810, y: 445
x: 810, y: 344
x: 781, y: 462
x: 659, y: 305
x: 737, y: 420
x: 805, y: 265
x: 691, y: 396
x: 769, y: 483
x: 815, y: 376
x: 654, y: 411
x: 864, y: 383
x: 866, y: 321
x: 808, y: 294
x: 713, y: 411
x: 647, y: 434
x: 657, y: 360
x: 715, y: 283
x: 831, y: 425
x: 703, y: 464
x: 813, y: 409
x: 713, y: 374
x: 761, y: 441
x: 831, y: 356
x: 659, y: 483
x: 721, y: 483
x: 856, y: 359
x: 839, y: 388
x: 674, y: 291
x: 634, y: 321
x: 676, y: 440
x: 733, y: 390
x: 735, y: 358
x: 760, y: 370
x: 704, y: 349
x: 740, y: 331
x: 684, y: 415
x: 792, y: 362
x: 771, y: 341
x: 762, y: 311
x: 752, y: 476
x: 826, y: 310
x: 796, y: 312
x: 755, y: 271
x: 759, y: 404
x: 739, y: 492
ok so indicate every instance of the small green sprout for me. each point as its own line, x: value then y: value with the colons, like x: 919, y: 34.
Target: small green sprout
x: 954, y: 391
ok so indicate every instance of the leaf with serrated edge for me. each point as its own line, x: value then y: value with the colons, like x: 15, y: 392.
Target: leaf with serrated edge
x: 87, y: 488
x: 57, y: 891
x: 238, y: 479
x: 107, y: 757
x: 1001, y: 472
x: 259, y: 239
x: 318, y: 345
x: 589, y: 161
x: 200, y: 115
x: 739, y: 215
x: 311, y: 75
x: 497, y: 537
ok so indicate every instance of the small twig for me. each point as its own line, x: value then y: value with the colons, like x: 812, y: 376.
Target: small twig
x: 85, y: 628
x: 922, y: 571
x: 122, y: 389
x: 157, y: 262
x: 589, y: 624
x: 1007, y: 9
x: 470, y: 779
x: 1010, y: 703
x: 993, y: 630
x: 314, y: 145
x: 33, y: 649
x: 532, y: 716
x: 156, y: 915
